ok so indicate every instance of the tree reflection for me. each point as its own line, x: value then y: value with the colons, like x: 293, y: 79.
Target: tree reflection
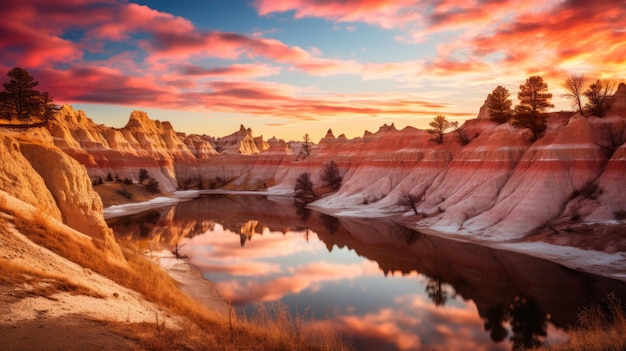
x: 496, y: 316
x: 330, y: 223
x: 436, y: 292
x: 527, y: 319
x: 147, y: 223
x: 528, y: 322
x: 302, y: 211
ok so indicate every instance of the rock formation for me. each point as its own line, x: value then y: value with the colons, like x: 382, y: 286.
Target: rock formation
x: 500, y: 186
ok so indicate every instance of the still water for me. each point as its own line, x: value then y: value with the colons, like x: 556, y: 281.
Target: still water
x: 384, y: 286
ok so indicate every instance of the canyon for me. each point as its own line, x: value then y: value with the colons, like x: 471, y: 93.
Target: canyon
x: 565, y: 188
x: 560, y: 197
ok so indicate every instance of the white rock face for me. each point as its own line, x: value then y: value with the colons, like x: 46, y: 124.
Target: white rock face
x: 69, y: 184
x: 499, y: 186
x: 19, y: 179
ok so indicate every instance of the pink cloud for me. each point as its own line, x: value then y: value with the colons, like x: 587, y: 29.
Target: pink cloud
x: 384, y: 13
x: 306, y: 277
x: 245, y: 70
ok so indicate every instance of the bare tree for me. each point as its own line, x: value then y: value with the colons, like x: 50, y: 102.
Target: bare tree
x: 499, y: 104
x: 461, y: 133
x: 574, y: 86
x: 439, y: 126
x: 409, y: 200
x: 599, y: 96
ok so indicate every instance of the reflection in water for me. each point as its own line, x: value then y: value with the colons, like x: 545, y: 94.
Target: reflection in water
x: 389, y: 287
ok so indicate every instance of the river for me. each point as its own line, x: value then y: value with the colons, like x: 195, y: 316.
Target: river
x: 384, y: 286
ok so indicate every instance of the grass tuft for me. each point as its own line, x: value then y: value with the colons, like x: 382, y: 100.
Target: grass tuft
x: 600, y: 327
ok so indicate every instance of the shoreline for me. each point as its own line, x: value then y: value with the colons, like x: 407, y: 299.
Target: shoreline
x: 610, y: 265
x: 191, y: 281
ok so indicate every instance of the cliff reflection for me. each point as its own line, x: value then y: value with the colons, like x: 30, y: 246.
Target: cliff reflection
x: 388, y: 286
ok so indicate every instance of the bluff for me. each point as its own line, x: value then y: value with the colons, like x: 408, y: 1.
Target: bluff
x: 41, y: 180
x: 499, y: 186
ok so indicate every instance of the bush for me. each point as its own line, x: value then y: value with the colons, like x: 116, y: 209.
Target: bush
x: 620, y: 215
x: 143, y: 175
x: 153, y: 186
x: 109, y: 177
x: 304, y: 185
x: 331, y: 176
x: 128, y: 181
x: 125, y: 194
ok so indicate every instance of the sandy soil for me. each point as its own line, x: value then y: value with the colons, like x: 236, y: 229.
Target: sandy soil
x: 30, y: 320
x: 191, y: 281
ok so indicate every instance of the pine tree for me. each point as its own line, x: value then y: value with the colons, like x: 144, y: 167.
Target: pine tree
x: 499, y: 104
x: 534, y: 100
x: 19, y: 99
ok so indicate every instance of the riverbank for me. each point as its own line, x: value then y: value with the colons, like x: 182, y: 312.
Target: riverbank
x: 569, y: 247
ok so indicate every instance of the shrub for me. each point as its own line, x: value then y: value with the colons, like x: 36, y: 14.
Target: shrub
x: 620, y: 215
x: 143, y: 175
x: 109, y: 177
x: 128, y: 181
x: 304, y: 185
x: 125, y: 194
x: 331, y: 176
x: 153, y: 186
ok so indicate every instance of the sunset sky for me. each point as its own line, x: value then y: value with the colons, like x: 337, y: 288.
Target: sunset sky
x: 289, y: 67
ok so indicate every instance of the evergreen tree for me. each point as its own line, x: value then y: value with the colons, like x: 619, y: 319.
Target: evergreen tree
x: 534, y: 100
x: 499, y: 104
x: 19, y: 99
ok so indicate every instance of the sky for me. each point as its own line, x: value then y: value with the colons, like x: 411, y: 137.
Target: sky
x: 288, y: 67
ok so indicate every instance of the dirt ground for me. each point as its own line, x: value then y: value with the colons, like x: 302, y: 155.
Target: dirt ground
x: 74, y: 332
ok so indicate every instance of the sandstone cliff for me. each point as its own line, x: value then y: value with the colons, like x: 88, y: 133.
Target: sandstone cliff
x: 39, y: 174
x: 499, y: 186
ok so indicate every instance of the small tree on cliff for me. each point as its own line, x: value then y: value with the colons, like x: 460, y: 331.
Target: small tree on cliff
x: 534, y: 100
x: 439, y: 126
x: 499, y: 104
x: 153, y: 186
x: 19, y: 99
x: 599, y: 96
x: 304, y: 185
x: 574, y: 86
x: 143, y: 175
x: 306, y: 146
x: 330, y: 175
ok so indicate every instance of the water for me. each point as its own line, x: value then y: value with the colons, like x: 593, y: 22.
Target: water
x: 383, y: 285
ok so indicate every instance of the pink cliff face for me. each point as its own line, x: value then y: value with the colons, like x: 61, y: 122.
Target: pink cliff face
x: 498, y: 183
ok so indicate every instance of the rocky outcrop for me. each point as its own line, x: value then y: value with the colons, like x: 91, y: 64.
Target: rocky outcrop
x: 240, y: 142
x: 498, y: 183
x: 42, y: 175
x: 19, y: 179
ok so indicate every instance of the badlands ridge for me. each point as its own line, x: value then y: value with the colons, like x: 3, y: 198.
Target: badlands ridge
x: 565, y: 188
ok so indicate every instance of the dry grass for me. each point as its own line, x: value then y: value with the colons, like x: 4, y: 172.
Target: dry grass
x: 206, y: 328
x: 110, y: 193
x: 600, y: 328
x: 30, y: 282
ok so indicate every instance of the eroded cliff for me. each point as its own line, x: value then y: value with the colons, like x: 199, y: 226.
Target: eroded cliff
x: 498, y: 186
